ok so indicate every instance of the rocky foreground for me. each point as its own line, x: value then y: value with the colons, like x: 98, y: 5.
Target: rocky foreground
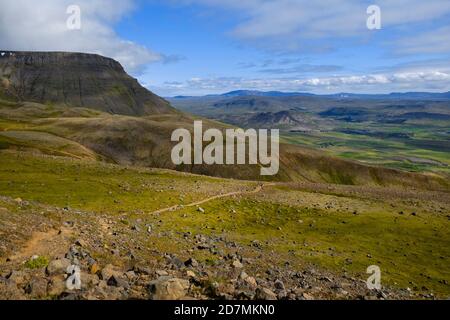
x: 39, y: 244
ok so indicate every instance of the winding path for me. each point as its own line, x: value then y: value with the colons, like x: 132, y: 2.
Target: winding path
x: 220, y: 196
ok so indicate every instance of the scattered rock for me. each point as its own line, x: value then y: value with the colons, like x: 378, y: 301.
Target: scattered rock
x: 130, y: 275
x: 89, y: 281
x: 307, y: 296
x: 256, y: 244
x: 251, y: 282
x: 191, y: 262
x: 58, y: 266
x: 243, y: 275
x: 175, y: 262
x: 110, y: 271
x: 265, y: 294
x: 161, y: 273
x: 117, y: 282
x: 166, y: 288
x: 81, y: 243
x: 94, y: 268
x: 237, y: 264
x: 279, y: 285
x: 37, y: 288
x: 9, y: 290
x: 18, y: 277
x: 56, y: 286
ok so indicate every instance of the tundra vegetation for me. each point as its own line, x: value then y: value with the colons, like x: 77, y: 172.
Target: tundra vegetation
x: 95, y: 186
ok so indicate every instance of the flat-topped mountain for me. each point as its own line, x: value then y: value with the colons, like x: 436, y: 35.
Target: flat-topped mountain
x: 75, y: 80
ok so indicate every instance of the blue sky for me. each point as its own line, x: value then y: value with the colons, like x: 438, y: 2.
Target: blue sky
x: 194, y: 47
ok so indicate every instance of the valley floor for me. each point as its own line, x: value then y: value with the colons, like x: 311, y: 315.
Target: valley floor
x: 158, y: 234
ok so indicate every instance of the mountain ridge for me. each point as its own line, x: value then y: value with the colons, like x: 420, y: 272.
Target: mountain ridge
x: 141, y: 137
x: 75, y: 80
x: 342, y: 95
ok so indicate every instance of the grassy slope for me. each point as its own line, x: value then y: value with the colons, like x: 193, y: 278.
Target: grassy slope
x: 418, y: 144
x: 102, y: 187
x: 411, y: 252
x: 301, y: 224
x: 426, y: 150
x: 145, y: 141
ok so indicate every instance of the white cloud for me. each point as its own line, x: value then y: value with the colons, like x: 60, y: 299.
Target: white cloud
x: 432, y: 80
x: 436, y: 41
x: 41, y: 26
x: 303, y: 25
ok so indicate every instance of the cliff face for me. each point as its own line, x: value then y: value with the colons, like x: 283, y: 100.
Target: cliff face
x: 76, y: 80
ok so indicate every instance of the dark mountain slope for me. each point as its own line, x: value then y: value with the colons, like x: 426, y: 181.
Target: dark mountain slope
x: 76, y: 80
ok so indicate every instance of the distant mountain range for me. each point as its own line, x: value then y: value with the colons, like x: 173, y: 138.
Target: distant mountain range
x: 394, y: 95
x: 298, y: 111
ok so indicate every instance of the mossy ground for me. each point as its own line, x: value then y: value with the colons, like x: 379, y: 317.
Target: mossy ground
x: 412, y: 251
x: 36, y: 263
x: 101, y: 187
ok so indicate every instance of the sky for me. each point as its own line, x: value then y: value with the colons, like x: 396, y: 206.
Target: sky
x: 197, y: 47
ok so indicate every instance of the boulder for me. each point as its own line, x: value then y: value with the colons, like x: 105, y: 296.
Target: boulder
x: 56, y: 286
x: 251, y: 282
x: 58, y: 266
x: 109, y: 271
x: 167, y: 288
x: 237, y: 264
x: 37, y: 288
x: 265, y: 294
x: 191, y: 263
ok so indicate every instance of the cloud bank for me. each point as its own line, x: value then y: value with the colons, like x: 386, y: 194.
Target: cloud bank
x: 400, y: 81
x: 302, y: 25
x: 414, y: 43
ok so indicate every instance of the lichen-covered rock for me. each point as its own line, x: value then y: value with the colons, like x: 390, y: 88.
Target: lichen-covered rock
x: 265, y: 294
x: 167, y: 288
x: 58, y: 266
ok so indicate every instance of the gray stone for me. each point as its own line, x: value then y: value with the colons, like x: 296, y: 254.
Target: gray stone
x: 237, y: 264
x: 191, y: 263
x: 18, y: 277
x: 56, y: 286
x: 108, y: 271
x: 37, y: 288
x: 265, y: 294
x: 58, y: 266
x: 167, y: 288
x: 10, y: 291
x: 81, y: 243
x: 279, y: 285
x: 250, y: 281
